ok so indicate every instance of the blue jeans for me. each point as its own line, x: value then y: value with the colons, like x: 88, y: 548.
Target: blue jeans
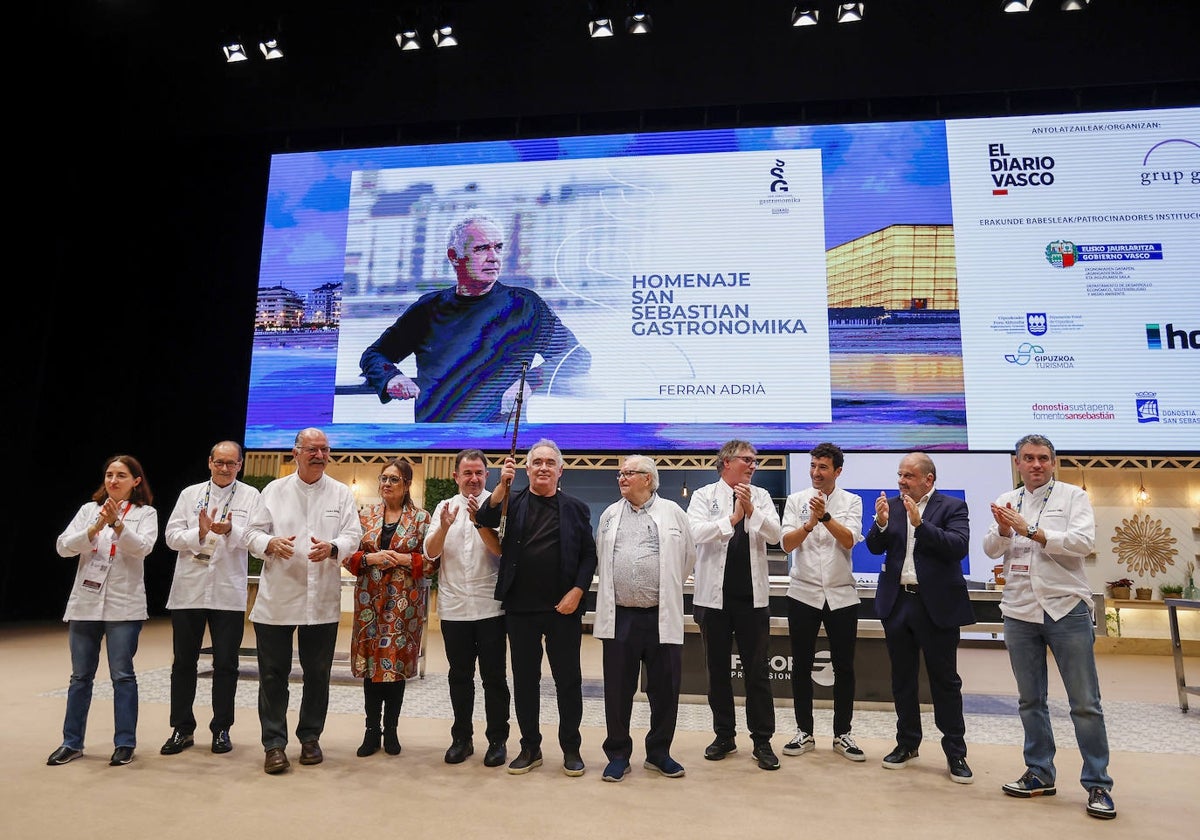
x: 83, y: 638
x: 1071, y: 640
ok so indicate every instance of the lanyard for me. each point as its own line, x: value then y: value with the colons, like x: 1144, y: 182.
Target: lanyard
x: 228, y: 501
x: 112, y: 546
x: 1045, y: 501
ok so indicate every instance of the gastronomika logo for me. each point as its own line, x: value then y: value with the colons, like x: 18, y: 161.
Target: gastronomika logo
x: 1028, y: 352
x: 1036, y: 323
x: 1177, y: 338
x: 1009, y: 170
x: 780, y: 184
x: 1147, y: 406
x: 1060, y: 253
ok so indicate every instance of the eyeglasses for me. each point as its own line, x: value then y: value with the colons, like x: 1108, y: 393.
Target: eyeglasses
x: 747, y: 459
x: 630, y: 473
x: 225, y: 465
x: 313, y: 450
x: 390, y: 479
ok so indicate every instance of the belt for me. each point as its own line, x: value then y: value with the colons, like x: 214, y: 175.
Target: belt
x: 910, y: 588
x: 639, y: 609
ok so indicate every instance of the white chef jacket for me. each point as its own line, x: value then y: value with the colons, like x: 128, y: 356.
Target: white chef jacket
x: 219, y: 584
x: 676, y: 560
x: 123, y: 596
x: 467, y: 579
x: 821, y: 570
x: 297, y: 590
x: 709, y: 511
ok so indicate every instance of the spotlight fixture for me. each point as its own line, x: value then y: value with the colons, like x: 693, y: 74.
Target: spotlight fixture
x: 805, y: 17
x: 270, y: 49
x: 1142, y: 496
x: 601, y: 27
x: 639, y: 21
x: 1074, y: 5
x: 1018, y: 5
x: 443, y: 36
x: 407, y: 38
x: 850, y: 12
x: 234, y: 52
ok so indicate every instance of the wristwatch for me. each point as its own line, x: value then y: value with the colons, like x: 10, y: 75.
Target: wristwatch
x: 333, y: 552
x: 826, y: 517
x: 1031, y: 530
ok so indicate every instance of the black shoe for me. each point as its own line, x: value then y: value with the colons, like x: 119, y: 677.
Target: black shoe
x: 766, y: 758
x: 62, y: 755
x: 1100, y: 804
x: 1028, y: 786
x: 459, y: 751
x: 572, y: 764
x: 221, y: 743
x: 391, y: 743
x: 526, y: 761
x: 720, y: 748
x: 121, y: 756
x: 177, y: 743
x: 959, y: 771
x: 497, y: 754
x: 899, y: 757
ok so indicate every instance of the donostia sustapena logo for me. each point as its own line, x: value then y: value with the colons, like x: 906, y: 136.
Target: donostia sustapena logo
x: 1060, y: 253
x: 1147, y: 406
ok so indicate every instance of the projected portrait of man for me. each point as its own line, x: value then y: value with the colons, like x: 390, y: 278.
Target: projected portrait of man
x: 469, y: 341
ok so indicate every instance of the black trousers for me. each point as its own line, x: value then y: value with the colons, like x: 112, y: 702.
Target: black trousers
x: 562, y: 635
x: 635, y: 642
x: 315, y: 643
x: 910, y: 633
x: 466, y: 643
x: 841, y: 628
x: 225, y: 627
x: 750, y: 628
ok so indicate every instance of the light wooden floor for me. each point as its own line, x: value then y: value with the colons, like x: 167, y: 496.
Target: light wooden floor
x: 416, y: 795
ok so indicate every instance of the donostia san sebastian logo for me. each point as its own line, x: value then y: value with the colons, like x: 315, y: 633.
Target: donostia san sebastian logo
x: 1147, y: 406
x: 1060, y: 253
x: 1175, y: 162
x: 1009, y: 170
x: 1028, y: 352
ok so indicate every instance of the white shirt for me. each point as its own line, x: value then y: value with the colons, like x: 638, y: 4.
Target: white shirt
x: 821, y: 570
x: 908, y: 572
x: 709, y: 511
x: 219, y: 584
x: 297, y: 590
x: 1047, y: 581
x: 467, y: 579
x: 676, y: 559
x: 123, y: 595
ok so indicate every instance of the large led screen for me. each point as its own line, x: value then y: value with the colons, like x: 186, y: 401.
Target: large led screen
x: 941, y: 285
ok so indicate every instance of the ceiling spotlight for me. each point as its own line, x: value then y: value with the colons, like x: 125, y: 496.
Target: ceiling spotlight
x: 639, y: 21
x: 270, y: 49
x: 444, y: 36
x: 804, y: 17
x: 600, y: 28
x: 1074, y: 5
x: 1017, y: 5
x: 849, y: 12
x: 408, y: 39
x: 234, y: 52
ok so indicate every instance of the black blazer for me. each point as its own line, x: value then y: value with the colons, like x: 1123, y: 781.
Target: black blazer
x: 577, y: 559
x: 942, y: 541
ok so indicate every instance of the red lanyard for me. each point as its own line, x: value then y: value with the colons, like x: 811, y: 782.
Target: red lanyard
x: 112, y: 547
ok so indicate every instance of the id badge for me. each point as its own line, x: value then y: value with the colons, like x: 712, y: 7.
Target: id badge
x: 96, y: 572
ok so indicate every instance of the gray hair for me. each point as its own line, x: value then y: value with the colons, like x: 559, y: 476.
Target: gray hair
x: 645, y: 462
x: 923, y: 462
x: 731, y: 449
x: 1034, y: 440
x: 548, y: 444
x: 456, y: 235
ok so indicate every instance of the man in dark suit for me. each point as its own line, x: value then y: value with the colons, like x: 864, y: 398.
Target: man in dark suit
x: 922, y: 600
x: 547, y: 559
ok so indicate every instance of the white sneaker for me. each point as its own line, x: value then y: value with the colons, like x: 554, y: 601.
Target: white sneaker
x: 844, y: 745
x: 801, y: 743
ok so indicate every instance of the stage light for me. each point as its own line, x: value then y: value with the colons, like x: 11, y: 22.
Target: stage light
x: 804, y: 17
x: 407, y: 38
x: 270, y: 49
x: 1017, y: 5
x: 234, y: 52
x: 443, y: 36
x: 639, y: 20
x: 850, y: 12
x: 600, y: 28
x: 1074, y: 5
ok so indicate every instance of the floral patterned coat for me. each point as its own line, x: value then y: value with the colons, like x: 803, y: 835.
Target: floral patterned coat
x: 390, y: 603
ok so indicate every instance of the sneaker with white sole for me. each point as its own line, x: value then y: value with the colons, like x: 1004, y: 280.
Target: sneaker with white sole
x: 801, y: 743
x: 844, y: 745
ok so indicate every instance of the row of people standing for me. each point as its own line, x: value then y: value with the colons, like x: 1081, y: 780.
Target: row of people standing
x: 542, y: 566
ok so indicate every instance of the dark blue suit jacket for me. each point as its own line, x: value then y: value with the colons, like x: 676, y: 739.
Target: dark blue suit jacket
x: 577, y: 558
x: 942, y: 541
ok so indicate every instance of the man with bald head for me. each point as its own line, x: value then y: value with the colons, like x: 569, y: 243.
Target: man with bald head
x: 922, y: 600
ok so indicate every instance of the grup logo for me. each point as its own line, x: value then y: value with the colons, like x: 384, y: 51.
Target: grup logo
x: 1024, y: 354
x: 1060, y: 253
x: 1009, y: 170
x: 1175, y: 162
x: 1147, y: 406
x: 1035, y: 323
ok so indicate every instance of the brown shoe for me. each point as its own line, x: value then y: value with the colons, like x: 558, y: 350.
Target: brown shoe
x: 276, y: 761
x: 310, y: 753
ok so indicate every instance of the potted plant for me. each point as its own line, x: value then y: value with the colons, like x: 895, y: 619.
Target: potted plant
x: 1120, y: 588
x: 1171, y: 590
x: 1144, y: 593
